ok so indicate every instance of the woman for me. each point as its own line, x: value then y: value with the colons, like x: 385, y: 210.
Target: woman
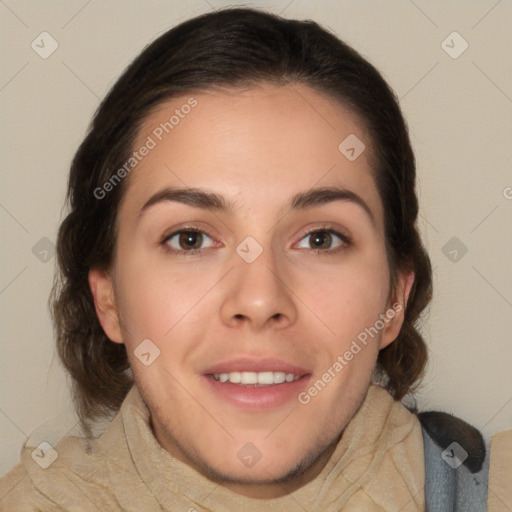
x: 240, y: 279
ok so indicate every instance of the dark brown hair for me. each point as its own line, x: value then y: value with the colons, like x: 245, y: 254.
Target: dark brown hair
x: 230, y: 47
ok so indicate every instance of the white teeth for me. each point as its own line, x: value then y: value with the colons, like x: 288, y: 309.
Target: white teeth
x: 265, y: 378
x: 256, y: 378
x: 234, y: 377
x: 249, y: 378
x: 280, y: 377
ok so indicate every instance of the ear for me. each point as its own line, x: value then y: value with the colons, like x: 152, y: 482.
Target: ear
x: 102, y: 289
x: 397, y: 304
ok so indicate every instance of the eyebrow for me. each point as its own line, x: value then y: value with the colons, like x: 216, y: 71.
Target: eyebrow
x: 214, y: 202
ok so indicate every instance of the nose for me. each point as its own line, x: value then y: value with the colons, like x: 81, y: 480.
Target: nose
x: 257, y: 295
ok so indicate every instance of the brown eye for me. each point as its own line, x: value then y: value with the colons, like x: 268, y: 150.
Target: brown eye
x: 190, y: 240
x: 322, y: 240
x: 186, y: 241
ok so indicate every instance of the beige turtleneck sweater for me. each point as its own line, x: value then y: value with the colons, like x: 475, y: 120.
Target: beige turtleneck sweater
x: 378, y: 465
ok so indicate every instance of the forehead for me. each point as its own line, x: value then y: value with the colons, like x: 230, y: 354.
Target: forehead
x: 266, y: 141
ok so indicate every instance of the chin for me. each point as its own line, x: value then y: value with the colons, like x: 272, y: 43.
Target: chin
x: 249, y: 466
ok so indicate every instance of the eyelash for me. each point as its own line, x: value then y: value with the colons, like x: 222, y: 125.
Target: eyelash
x: 345, y: 241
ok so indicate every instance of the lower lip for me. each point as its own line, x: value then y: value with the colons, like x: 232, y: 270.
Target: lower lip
x: 260, y: 397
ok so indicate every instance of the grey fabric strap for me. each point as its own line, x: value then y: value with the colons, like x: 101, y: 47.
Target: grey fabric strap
x: 449, y: 485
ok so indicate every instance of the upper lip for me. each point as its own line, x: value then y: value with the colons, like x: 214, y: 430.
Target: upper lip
x: 255, y: 365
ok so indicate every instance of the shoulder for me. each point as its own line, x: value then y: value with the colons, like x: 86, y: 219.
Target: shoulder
x: 447, y: 430
x: 74, y: 475
x: 456, y: 463
x: 47, y: 478
x: 500, y: 485
x: 17, y: 492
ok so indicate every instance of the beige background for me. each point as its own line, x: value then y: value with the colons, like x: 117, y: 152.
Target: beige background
x: 459, y: 111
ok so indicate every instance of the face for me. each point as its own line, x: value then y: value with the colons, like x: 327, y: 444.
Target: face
x: 254, y: 282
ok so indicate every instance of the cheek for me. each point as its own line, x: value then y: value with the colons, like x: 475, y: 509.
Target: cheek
x: 162, y: 303
x: 152, y: 303
x: 349, y: 297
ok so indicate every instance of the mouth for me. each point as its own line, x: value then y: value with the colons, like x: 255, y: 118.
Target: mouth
x: 256, y: 385
x: 255, y: 379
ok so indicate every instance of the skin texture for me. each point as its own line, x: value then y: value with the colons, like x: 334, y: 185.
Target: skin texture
x: 257, y: 147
